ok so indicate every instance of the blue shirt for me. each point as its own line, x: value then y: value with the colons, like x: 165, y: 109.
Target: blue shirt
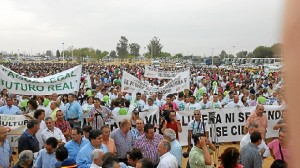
x: 83, y: 158
x: 5, y: 153
x: 13, y: 110
x: 123, y: 143
x: 176, y: 150
x: 45, y: 160
x: 73, y: 111
x: 73, y: 147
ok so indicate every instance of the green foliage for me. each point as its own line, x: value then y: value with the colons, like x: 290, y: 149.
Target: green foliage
x: 223, y: 55
x: 178, y: 55
x: 165, y: 55
x: 122, y: 47
x: 242, y: 54
x: 134, y: 49
x: 113, y: 54
x: 263, y: 52
x: 155, y: 47
x: 276, y: 49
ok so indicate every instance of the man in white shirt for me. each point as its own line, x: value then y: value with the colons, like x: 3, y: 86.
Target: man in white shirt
x: 96, y: 157
x: 263, y: 147
x: 167, y: 160
x: 180, y: 101
x: 52, y: 131
x: 215, y: 103
x: 192, y: 105
x: 235, y: 103
x: 150, y: 106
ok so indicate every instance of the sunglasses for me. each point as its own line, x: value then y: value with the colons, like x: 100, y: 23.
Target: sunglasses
x: 196, y: 114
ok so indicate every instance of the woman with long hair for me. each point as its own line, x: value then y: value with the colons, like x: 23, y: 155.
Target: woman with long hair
x: 229, y: 158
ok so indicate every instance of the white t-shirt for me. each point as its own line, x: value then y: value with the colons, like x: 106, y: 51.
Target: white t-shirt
x: 213, y: 105
x: 180, y: 104
x: 190, y: 106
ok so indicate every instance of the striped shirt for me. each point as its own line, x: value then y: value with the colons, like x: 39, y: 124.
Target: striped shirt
x: 149, y: 147
x: 5, y: 153
x: 100, y: 119
x: 123, y: 142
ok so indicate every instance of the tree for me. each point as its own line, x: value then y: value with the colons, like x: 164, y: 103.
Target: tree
x: 263, y: 52
x: 250, y: 55
x: 155, y: 47
x: 165, y: 55
x: 223, y: 55
x: 276, y: 49
x: 242, y: 54
x: 113, y: 54
x: 178, y: 55
x: 134, y: 49
x: 57, y: 53
x: 122, y: 47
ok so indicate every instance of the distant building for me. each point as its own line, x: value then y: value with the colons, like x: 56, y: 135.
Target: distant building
x: 48, y: 53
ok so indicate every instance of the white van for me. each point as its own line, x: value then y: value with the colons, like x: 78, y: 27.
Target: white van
x: 155, y: 63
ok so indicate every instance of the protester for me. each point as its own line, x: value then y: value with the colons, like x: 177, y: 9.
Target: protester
x: 6, y: 158
x: 76, y: 143
x: 107, y: 140
x: 96, y: 157
x: 144, y: 163
x: 28, y: 140
x: 39, y: 115
x: 262, y: 147
x: 83, y: 158
x: 98, y: 114
x: 148, y: 143
x: 279, y: 147
x: 199, y: 155
x: 123, y: 140
x: 9, y: 108
x: 171, y: 122
x: 46, y: 157
x: 229, y: 158
x: 61, y: 153
x: 250, y: 155
x: 167, y: 160
x: 176, y: 149
x: 73, y: 111
x: 25, y: 159
x: 260, y: 119
x: 52, y: 131
x: 63, y: 125
x: 133, y: 156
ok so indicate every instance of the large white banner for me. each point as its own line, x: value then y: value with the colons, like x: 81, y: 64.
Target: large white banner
x: 134, y: 85
x: 155, y: 72
x: 64, y: 82
x: 15, y: 125
x: 230, y: 122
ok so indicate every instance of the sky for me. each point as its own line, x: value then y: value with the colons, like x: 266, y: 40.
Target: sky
x: 190, y: 27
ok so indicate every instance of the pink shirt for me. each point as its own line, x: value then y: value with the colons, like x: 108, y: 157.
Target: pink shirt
x: 274, y: 145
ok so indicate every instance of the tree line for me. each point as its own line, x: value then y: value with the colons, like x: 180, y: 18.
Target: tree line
x: 154, y: 49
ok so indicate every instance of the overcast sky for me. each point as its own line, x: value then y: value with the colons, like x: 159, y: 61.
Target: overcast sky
x: 195, y: 27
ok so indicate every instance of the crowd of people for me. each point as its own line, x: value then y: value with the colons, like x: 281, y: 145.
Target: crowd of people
x: 71, y: 130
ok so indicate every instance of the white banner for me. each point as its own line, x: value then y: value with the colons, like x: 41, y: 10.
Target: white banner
x: 178, y: 84
x: 154, y: 72
x: 15, y: 125
x: 62, y: 83
x: 134, y: 85
x: 230, y: 122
